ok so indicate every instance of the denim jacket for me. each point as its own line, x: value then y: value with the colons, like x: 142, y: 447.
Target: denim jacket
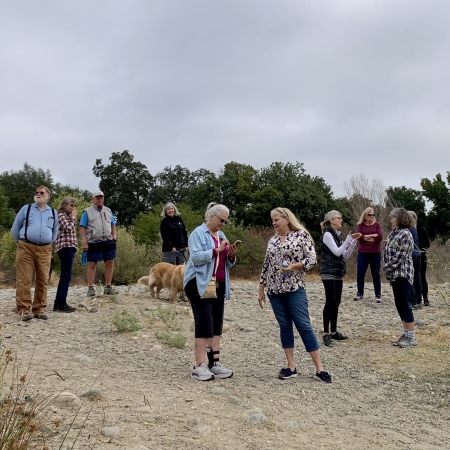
x: 201, y: 261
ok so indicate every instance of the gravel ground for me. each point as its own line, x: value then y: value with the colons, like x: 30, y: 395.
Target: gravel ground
x: 136, y: 392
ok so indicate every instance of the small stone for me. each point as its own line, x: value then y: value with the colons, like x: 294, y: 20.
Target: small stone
x: 66, y: 399
x: 257, y: 418
x: 83, y: 358
x: 111, y: 432
x: 233, y: 399
x: 219, y: 391
x: 93, y: 394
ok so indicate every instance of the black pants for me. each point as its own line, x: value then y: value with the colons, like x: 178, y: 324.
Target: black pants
x: 333, y: 295
x: 423, y: 275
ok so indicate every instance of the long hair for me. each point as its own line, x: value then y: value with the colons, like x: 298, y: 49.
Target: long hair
x: 294, y: 224
x: 327, y: 219
x: 166, y: 207
x: 64, y: 203
x: 368, y: 210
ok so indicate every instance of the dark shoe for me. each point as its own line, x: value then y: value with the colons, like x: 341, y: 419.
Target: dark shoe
x: 287, y: 373
x: 65, y: 308
x: 109, y: 290
x: 90, y: 292
x: 426, y: 303
x: 326, y: 340
x: 358, y: 297
x: 25, y: 317
x: 40, y: 316
x: 337, y: 336
x: 324, y: 376
x: 416, y: 306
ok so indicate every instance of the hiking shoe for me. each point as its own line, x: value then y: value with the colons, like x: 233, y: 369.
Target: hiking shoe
x: 220, y: 371
x: 326, y: 340
x: 109, y: 290
x: 378, y: 299
x: 400, y: 339
x: 65, y: 308
x: 90, y: 292
x: 25, y: 317
x: 337, y: 336
x: 358, y: 297
x: 202, y: 373
x: 408, y: 342
x: 40, y: 316
x: 287, y: 373
x: 416, y: 306
x: 426, y: 303
x: 324, y: 376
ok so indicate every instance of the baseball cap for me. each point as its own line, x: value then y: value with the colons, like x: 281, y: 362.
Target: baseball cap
x: 98, y: 194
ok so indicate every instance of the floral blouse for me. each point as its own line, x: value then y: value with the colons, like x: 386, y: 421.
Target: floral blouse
x: 297, y: 247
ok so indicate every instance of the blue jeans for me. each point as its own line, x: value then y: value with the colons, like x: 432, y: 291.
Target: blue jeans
x: 291, y: 308
x: 66, y: 255
x: 402, y: 291
x: 364, y: 261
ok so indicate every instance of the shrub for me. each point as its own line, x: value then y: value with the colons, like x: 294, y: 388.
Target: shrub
x: 173, y: 339
x: 126, y: 322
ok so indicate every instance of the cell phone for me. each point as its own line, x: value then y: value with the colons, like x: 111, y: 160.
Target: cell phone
x: 237, y: 243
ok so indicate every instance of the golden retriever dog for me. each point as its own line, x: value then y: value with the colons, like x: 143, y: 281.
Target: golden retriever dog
x: 165, y: 275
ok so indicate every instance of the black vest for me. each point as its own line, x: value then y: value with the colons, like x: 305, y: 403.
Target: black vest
x: 332, y: 264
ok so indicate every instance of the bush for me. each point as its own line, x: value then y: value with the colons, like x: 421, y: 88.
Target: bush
x: 8, y: 248
x: 173, y: 339
x: 126, y: 322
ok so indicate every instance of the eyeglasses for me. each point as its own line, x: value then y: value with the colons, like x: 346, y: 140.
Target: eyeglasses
x: 222, y: 220
x: 371, y: 215
x: 72, y: 205
x: 40, y: 193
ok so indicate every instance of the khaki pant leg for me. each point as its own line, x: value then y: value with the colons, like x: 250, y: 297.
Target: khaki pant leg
x: 43, y: 262
x: 25, y: 255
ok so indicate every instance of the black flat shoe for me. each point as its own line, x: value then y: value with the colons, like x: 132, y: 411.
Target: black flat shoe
x: 337, y: 336
x: 66, y: 308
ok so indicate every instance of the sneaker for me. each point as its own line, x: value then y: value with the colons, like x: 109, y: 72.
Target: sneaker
x: 326, y: 340
x: 90, y: 292
x: 287, y: 373
x: 416, y: 306
x: 25, y: 317
x: 400, y: 339
x: 40, y: 316
x: 109, y: 290
x: 337, y: 336
x: 358, y: 297
x: 65, y: 308
x: 324, y: 376
x: 426, y: 303
x: 220, y: 371
x: 408, y: 342
x: 202, y: 373
x: 378, y: 298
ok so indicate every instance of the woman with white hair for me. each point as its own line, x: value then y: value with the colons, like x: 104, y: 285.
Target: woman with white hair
x: 332, y: 271
x: 174, y: 235
x: 211, y: 254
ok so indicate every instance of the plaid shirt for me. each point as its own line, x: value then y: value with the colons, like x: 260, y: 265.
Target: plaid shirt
x: 67, y: 235
x: 398, y: 255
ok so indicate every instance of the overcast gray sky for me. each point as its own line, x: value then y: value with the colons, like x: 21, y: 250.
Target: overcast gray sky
x: 344, y: 86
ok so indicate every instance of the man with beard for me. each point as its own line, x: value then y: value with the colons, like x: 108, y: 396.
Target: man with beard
x: 34, y: 229
x: 98, y: 237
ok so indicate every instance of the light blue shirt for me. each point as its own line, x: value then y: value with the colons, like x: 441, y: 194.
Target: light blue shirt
x: 42, y: 227
x: 201, y: 261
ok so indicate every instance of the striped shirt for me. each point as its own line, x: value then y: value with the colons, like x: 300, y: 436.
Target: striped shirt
x: 67, y: 235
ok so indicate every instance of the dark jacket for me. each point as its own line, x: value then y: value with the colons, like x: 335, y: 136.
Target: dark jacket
x: 332, y: 264
x: 173, y: 233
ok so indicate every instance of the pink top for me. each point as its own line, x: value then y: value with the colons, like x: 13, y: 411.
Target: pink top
x: 220, y: 275
x: 367, y: 246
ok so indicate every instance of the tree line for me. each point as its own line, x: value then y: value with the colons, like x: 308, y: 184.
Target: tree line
x: 134, y: 194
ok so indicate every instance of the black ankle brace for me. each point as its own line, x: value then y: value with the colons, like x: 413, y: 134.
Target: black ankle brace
x: 211, y: 356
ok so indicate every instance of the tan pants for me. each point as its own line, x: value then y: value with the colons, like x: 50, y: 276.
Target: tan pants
x: 29, y: 259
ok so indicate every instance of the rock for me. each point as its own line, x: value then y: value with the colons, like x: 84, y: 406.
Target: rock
x: 257, y: 418
x: 83, y: 358
x: 111, y: 432
x: 93, y: 394
x: 66, y: 399
x: 219, y: 391
x: 233, y: 399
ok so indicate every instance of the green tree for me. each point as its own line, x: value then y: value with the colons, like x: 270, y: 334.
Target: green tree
x: 438, y: 193
x: 410, y: 199
x: 19, y: 185
x: 6, y: 213
x: 206, y: 190
x: 126, y: 184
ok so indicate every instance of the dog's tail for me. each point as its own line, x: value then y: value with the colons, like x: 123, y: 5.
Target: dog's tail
x: 144, y: 280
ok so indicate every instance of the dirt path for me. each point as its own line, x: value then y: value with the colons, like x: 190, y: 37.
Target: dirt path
x: 382, y: 397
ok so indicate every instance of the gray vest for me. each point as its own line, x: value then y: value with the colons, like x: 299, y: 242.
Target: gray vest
x: 99, y: 224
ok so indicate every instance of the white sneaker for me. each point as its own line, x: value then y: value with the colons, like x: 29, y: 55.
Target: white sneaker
x: 202, y: 373
x: 221, y: 372
x: 403, y: 337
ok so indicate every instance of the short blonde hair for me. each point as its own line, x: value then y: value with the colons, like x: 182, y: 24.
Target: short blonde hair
x: 327, y: 219
x: 364, y: 213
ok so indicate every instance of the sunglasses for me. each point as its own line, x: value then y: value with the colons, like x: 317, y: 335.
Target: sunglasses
x: 222, y: 220
x: 72, y: 205
x: 40, y: 193
x: 371, y: 215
